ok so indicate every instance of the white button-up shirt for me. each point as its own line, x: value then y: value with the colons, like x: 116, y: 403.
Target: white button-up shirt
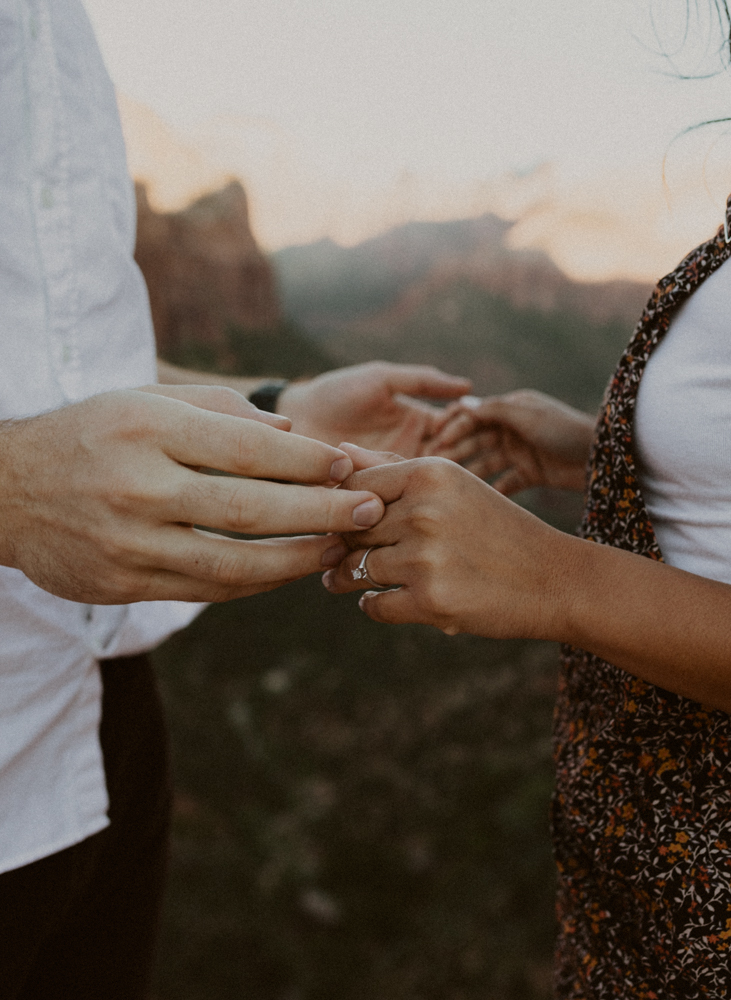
x: 74, y: 321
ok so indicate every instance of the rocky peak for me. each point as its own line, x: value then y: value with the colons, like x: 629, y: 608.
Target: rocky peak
x: 204, y: 271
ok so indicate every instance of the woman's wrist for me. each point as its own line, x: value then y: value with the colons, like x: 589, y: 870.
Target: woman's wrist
x: 536, y: 593
x: 573, y: 574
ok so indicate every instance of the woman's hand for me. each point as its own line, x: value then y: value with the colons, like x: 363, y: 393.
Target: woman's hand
x: 525, y: 438
x: 464, y: 557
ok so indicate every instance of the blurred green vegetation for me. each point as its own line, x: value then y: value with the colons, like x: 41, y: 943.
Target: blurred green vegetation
x: 362, y: 811
x: 285, y: 351
x: 466, y: 330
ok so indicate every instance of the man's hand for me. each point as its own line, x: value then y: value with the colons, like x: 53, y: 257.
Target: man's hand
x: 99, y: 498
x: 525, y: 438
x: 369, y: 405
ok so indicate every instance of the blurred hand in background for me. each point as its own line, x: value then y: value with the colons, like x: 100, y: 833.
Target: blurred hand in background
x: 524, y: 438
x: 375, y: 405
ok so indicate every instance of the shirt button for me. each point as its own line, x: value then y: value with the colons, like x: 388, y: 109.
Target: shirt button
x: 46, y: 197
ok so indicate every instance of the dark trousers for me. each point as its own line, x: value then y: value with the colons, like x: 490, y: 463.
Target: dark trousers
x: 83, y: 923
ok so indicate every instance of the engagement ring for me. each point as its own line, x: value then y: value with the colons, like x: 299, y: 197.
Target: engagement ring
x: 361, y: 570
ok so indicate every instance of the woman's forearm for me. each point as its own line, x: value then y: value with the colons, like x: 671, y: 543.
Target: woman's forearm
x: 663, y: 625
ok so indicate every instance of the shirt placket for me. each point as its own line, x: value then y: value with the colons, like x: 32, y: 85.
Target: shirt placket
x: 51, y: 165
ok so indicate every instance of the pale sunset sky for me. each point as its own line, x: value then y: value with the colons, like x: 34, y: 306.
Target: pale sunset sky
x: 344, y: 117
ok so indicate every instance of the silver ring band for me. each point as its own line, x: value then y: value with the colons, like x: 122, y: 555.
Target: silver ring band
x: 361, y: 570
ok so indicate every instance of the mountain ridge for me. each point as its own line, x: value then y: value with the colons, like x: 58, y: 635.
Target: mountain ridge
x: 325, y: 285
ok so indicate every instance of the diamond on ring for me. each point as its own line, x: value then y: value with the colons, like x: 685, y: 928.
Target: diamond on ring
x: 361, y: 570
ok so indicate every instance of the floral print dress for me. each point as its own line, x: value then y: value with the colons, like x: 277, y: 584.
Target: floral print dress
x: 641, y: 815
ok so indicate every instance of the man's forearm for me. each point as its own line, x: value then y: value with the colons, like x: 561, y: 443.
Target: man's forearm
x: 168, y: 374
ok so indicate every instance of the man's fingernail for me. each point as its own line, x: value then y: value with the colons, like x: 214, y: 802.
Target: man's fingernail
x: 367, y: 514
x: 340, y: 469
x: 335, y: 555
x: 328, y: 579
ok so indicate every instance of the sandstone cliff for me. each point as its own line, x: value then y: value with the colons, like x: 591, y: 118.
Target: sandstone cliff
x: 205, y: 273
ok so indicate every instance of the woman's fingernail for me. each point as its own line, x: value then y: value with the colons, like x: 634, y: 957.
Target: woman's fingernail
x: 335, y: 555
x: 367, y: 514
x: 471, y: 402
x: 328, y: 579
x: 340, y: 469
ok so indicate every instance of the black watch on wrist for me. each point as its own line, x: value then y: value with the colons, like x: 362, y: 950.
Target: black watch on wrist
x: 266, y: 396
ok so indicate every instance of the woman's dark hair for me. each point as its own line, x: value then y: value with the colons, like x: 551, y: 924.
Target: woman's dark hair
x: 718, y: 46
x: 717, y: 49
x: 722, y: 12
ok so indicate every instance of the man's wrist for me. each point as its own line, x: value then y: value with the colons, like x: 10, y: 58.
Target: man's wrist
x: 266, y: 396
x: 11, y: 496
x: 293, y: 400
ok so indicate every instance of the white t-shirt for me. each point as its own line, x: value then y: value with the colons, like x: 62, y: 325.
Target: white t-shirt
x: 74, y: 321
x: 683, y: 433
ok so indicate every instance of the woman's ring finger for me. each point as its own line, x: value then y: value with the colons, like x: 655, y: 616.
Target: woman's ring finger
x: 361, y: 570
